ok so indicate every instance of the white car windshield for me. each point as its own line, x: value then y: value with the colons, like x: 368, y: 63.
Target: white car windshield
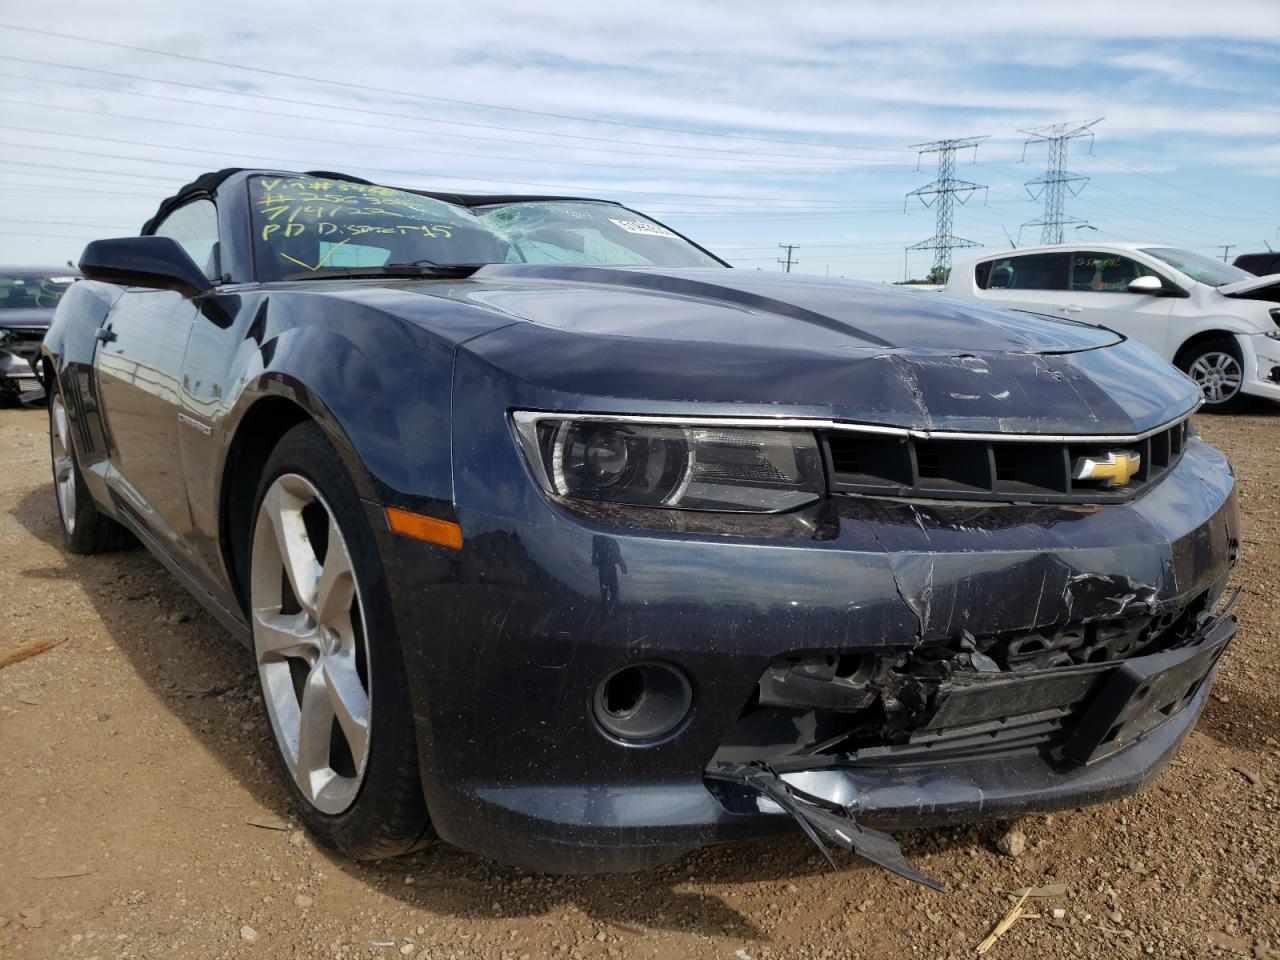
x: 1198, y: 267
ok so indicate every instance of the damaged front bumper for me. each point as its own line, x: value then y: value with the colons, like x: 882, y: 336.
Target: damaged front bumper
x: 1051, y: 601
x: 1119, y: 705
x: 17, y: 377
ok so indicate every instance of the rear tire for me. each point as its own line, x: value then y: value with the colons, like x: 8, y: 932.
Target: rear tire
x: 1217, y: 367
x: 328, y: 655
x: 85, y: 528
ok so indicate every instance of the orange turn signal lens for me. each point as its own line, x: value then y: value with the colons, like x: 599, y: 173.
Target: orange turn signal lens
x: 424, y: 528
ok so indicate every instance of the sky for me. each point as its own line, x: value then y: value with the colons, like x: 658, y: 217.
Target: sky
x: 743, y: 125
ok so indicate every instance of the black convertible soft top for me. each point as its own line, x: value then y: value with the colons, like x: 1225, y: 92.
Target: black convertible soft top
x: 207, y: 183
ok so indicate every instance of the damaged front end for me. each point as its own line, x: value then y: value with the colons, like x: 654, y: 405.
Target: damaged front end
x: 1066, y: 696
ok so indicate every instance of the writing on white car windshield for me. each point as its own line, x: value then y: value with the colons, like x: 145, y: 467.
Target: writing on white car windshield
x: 310, y: 224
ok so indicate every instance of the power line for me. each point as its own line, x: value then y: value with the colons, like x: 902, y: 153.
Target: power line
x: 431, y: 151
x: 310, y: 163
x: 941, y: 194
x: 348, y: 85
x: 1174, y: 186
x: 49, y: 166
x: 718, y: 153
x: 1056, y: 182
x: 788, y: 263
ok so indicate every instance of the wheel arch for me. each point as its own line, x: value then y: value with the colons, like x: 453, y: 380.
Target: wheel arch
x: 1188, y: 345
x: 256, y: 435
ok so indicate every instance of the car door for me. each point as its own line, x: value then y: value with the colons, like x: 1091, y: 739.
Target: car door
x: 138, y: 363
x: 1098, y: 293
x: 1028, y: 281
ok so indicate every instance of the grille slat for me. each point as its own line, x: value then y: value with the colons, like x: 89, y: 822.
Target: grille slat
x: 1036, y: 471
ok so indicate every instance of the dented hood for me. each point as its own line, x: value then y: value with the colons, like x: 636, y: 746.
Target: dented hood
x: 719, y: 342
x: 766, y: 309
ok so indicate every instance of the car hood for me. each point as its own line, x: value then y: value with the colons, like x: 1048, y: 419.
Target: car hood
x: 737, y: 307
x: 724, y: 341
x: 25, y: 318
x: 1243, y: 288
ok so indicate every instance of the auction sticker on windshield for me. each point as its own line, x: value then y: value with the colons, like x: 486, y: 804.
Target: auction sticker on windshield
x: 642, y: 227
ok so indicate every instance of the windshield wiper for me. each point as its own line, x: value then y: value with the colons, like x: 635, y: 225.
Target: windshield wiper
x: 420, y: 269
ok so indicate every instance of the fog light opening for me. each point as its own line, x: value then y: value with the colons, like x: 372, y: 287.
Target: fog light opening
x: 643, y: 701
x: 623, y: 692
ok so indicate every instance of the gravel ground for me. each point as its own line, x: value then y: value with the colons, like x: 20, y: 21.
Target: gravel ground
x: 141, y: 814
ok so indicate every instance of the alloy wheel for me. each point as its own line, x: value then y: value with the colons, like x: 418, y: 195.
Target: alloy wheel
x: 310, y: 643
x: 64, y: 466
x: 1218, y: 374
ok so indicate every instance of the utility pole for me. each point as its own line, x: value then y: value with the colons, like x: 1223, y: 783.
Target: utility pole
x: 1056, y: 182
x: 1226, y: 251
x: 941, y: 194
x: 788, y: 263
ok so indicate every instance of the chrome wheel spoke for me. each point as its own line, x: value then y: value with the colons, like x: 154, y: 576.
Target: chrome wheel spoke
x: 348, y: 700
x: 335, y: 587
x: 315, y: 725
x: 284, y: 510
x: 60, y: 423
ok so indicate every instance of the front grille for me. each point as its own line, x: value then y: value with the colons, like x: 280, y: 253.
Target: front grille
x: 988, y: 468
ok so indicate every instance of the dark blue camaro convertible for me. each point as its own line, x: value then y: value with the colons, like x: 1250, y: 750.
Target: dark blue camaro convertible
x: 554, y: 536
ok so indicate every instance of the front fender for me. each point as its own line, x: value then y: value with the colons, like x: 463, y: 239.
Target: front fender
x: 1215, y: 323
x: 378, y: 386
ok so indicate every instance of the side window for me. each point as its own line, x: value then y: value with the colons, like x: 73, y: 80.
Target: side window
x: 195, y: 228
x: 1104, y: 272
x: 1033, y: 271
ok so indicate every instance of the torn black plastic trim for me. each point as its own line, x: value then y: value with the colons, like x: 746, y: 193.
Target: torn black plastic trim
x: 825, y: 822
x: 972, y: 698
x: 1143, y: 693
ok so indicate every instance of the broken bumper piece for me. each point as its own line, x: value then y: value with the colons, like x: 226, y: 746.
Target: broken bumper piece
x: 826, y: 822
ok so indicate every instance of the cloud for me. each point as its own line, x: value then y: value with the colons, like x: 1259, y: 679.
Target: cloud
x: 709, y: 106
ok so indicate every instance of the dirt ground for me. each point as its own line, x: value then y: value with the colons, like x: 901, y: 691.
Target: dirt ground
x: 142, y: 815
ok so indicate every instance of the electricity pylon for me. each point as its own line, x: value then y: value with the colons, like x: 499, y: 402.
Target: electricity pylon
x: 1056, y: 182
x: 942, y: 194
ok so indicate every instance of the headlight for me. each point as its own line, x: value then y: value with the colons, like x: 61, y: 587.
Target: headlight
x: 683, y: 466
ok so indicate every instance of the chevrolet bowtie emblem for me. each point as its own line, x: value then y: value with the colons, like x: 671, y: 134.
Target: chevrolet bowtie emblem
x: 1116, y: 469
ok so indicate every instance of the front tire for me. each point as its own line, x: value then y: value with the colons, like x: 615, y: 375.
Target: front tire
x: 85, y: 528
x: 328, y: 655
x: 1217, y: 367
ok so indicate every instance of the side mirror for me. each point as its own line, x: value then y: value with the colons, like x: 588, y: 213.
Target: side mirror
x: 144, y: 262
x: 1150, y: 285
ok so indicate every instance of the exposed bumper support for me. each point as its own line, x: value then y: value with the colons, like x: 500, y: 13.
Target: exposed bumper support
x: 823, y: 820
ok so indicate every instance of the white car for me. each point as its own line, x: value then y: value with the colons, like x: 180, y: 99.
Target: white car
x: 1215, y: 322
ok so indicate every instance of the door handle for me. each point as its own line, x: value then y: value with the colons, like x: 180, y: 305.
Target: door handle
x: 1071, y: 308
x: 105, y: 334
